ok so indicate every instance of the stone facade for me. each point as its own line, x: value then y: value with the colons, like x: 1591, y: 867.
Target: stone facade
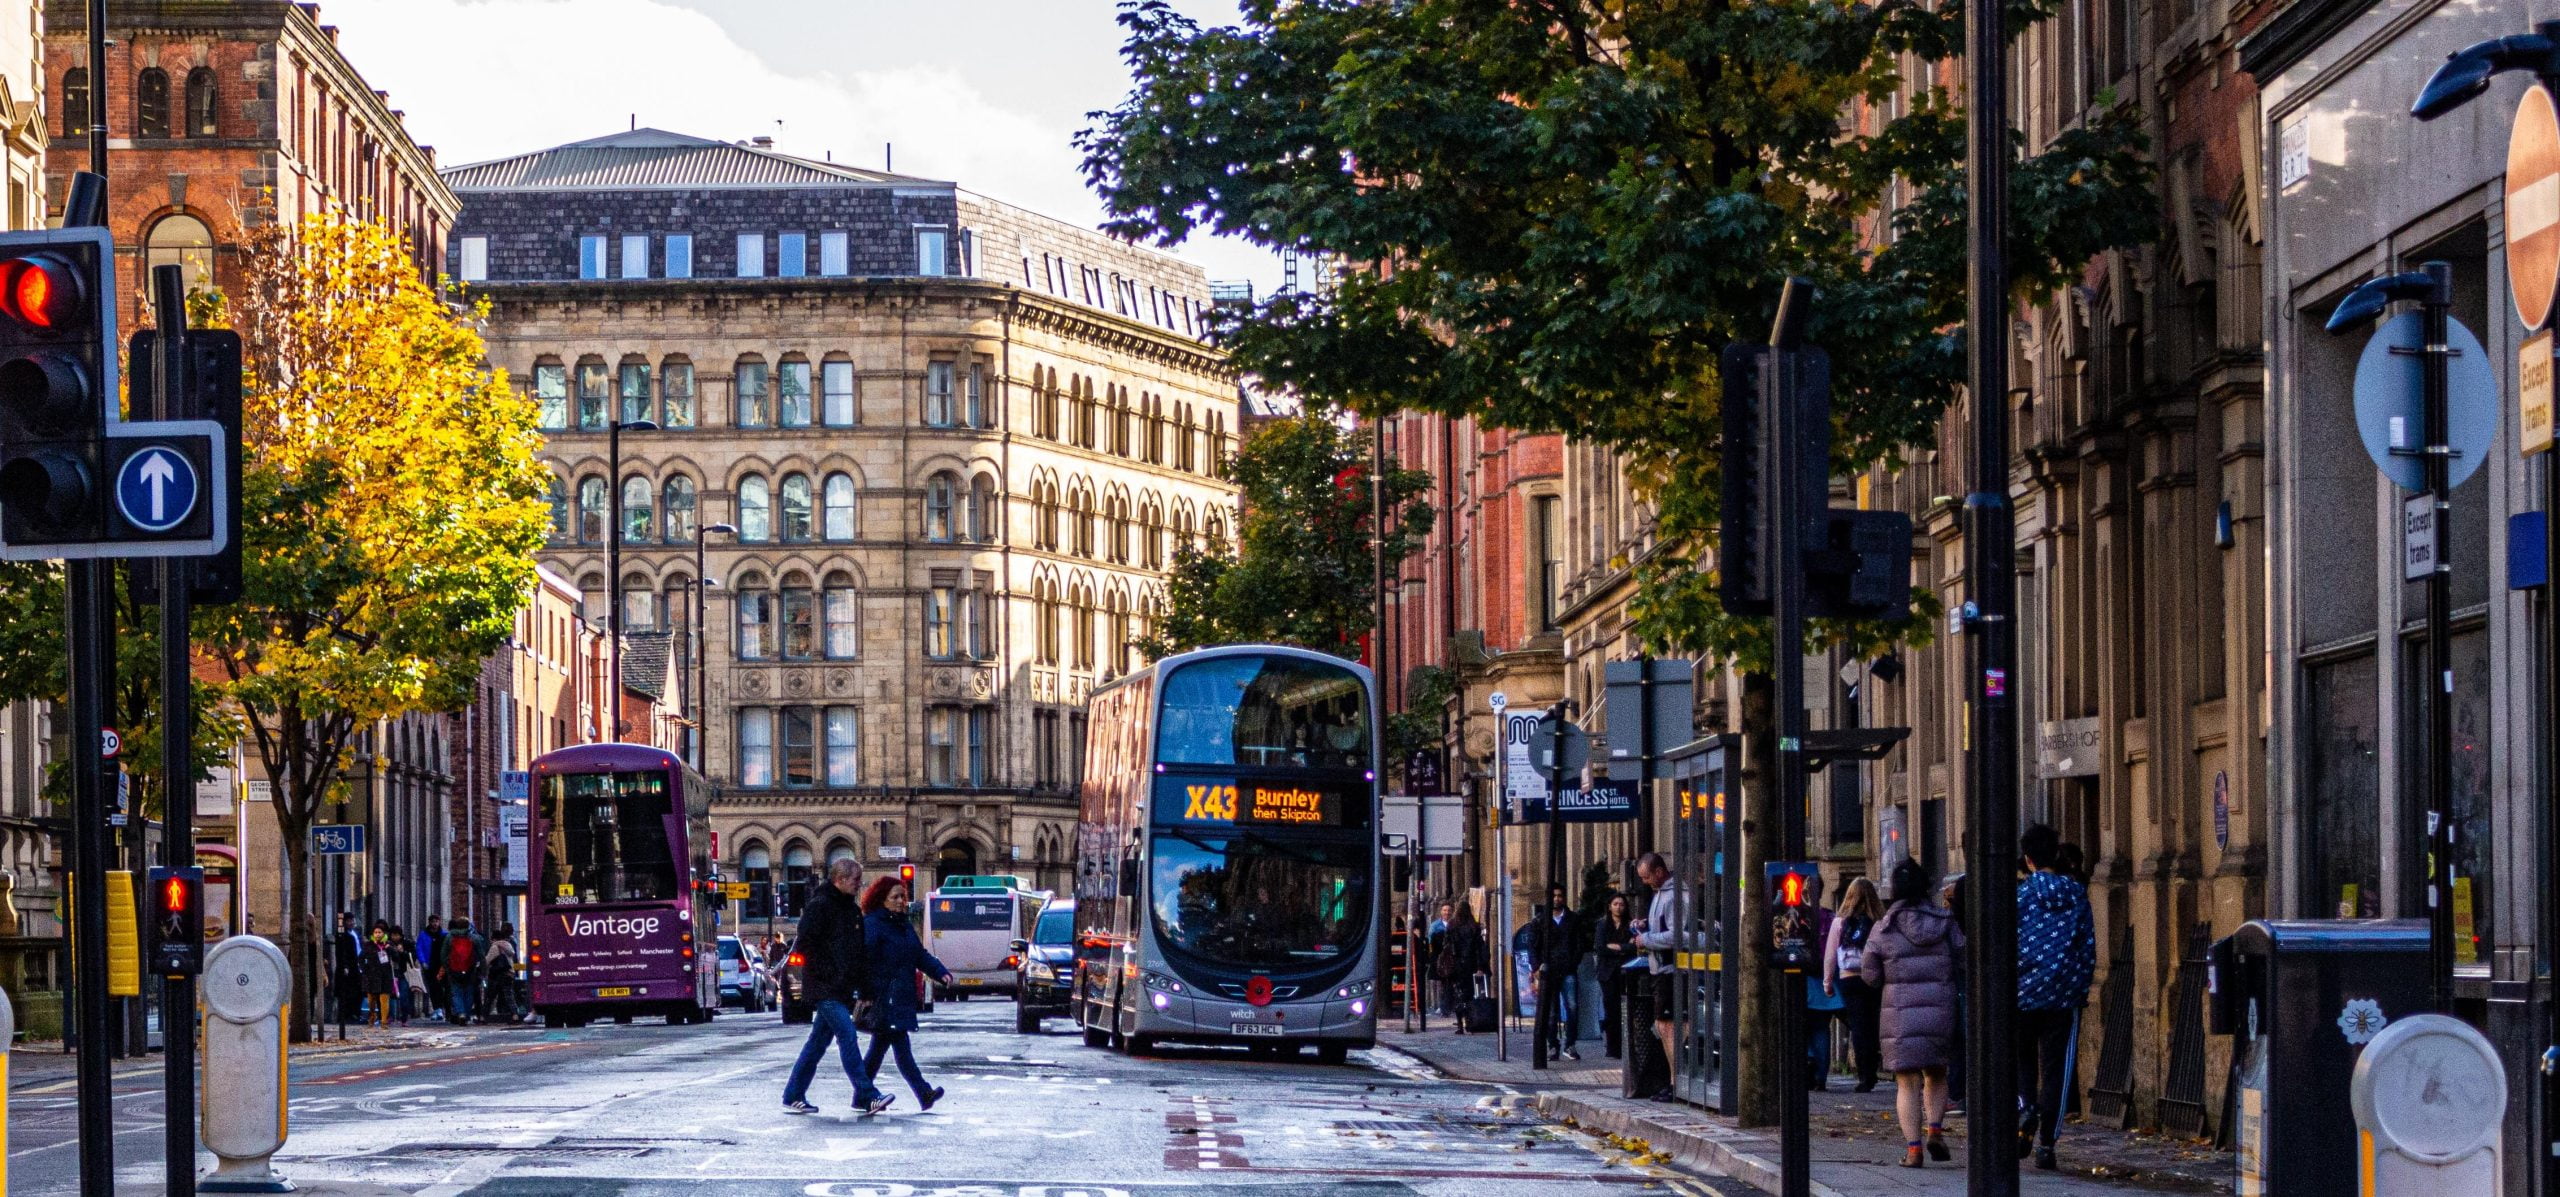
x: 956, y: 493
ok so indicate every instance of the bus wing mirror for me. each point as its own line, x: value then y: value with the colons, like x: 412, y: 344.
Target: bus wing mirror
x: 1021, y: 945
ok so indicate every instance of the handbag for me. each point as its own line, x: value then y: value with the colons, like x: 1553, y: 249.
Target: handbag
x: 417, y: 979
x: 1815, y: 999
x: 866, y: 1016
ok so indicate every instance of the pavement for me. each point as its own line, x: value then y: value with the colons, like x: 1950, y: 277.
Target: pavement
x: 653, y: 1111
x: 1856, y: 1143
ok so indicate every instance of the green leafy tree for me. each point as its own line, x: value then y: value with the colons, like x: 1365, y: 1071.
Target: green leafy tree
x: 1302, y: 568
x: 1571, y: 206
x: 392, y: 509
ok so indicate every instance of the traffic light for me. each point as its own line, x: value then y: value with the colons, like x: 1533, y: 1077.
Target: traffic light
x: 1755, y: 380
x: 208, y: 389
x: 1862, y: 566
x: 177, y: 921
x: 907, y: 877
x: 1794, y: 889
x: 57, y: 387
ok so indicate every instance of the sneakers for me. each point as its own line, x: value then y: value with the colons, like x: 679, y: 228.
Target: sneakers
x: 798, y: 1107
x: 2045, y: 1160
x: 877, y: 1104
x: 925, y: 1100
x: 1571, y: 1054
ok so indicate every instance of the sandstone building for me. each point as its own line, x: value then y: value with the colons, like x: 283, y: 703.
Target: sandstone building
x: 957, y: 442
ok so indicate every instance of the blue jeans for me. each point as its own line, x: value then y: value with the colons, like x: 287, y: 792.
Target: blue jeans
x: 881, y: 1044
x: 830, y: 1022
x: 465, y: 993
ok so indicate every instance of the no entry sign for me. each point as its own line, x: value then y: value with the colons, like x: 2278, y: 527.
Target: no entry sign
x: 2533, y: 207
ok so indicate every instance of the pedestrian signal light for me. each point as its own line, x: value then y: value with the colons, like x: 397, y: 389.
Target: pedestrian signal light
x: 177, y: 921
x: 1794, y: 888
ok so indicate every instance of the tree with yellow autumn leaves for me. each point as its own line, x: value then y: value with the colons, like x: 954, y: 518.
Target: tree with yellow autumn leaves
x: 392, y: 506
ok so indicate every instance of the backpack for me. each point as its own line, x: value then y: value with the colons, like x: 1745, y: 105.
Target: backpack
x: 1853, y: 943
x: 459, y: 955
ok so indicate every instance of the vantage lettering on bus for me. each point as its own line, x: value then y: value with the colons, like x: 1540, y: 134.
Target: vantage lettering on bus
x: 1215, y: 803
x: 583, y: 925
x: 1286, y: 806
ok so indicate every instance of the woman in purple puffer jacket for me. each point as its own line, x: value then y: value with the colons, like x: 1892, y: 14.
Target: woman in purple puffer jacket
x: 1912, y: 956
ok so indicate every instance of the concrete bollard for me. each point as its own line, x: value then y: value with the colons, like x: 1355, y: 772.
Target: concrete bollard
x: 2430, y: 1098
x: 246, y: 987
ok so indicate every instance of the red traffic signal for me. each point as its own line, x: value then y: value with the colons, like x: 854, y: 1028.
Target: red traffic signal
x: 907, y: 873
x: 1791, y: 888
x: 40, y: 291
x: 176, y: 928
x: 176, y: 895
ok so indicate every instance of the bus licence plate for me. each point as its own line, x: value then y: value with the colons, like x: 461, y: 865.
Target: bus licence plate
x: 616, y: 991
x: 973, y: 980
x: 1256, y: 1028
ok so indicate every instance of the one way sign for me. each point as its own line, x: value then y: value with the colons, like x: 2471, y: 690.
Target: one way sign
x: 167, y: 488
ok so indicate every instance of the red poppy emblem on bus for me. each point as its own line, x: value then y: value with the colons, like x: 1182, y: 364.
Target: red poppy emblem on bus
x: 1257, y: 990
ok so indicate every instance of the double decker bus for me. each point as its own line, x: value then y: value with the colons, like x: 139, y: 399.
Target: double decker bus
x: 1227, y: 855
x: 618, y: 918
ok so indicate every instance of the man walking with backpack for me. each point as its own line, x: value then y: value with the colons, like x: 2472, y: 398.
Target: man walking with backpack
x: 2057, y: 956
x: 463, y: 951
x: 430, y: 950
x: 833, y: 960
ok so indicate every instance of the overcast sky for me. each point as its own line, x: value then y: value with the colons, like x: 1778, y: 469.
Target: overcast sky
x: 987, y: 93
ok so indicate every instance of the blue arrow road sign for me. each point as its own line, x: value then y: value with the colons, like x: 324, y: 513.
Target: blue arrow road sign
x: 156, y: 489
x: 337, y: 839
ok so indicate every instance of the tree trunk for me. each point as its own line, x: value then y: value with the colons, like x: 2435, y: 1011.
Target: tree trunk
x: 1755, y: 984
x: 301, y: 938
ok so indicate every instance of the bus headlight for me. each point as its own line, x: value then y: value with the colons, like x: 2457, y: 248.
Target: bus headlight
x: 1166, y: 984
x: 1356, y: 989
x: 1160, y: 1000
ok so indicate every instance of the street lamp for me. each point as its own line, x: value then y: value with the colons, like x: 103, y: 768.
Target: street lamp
x: 702, y: 584
x: 613, y: 570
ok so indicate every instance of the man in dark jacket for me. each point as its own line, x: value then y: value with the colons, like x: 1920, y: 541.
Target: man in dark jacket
x: 833, y: 962
x: 2057, y: 955
x: 1558, y: 941
x: 430, y: 949
x: 346, y: 968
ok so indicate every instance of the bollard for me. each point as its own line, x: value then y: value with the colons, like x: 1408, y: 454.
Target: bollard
x: 245, y: 990
x: 2430, y: 1099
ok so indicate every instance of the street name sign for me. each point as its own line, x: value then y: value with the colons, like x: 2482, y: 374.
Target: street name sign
x: 2533, y: 207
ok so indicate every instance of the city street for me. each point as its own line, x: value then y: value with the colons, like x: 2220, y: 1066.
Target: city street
x: 648, y: 1109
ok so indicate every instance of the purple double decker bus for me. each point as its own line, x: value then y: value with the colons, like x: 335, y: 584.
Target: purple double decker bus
x: 622, y: 888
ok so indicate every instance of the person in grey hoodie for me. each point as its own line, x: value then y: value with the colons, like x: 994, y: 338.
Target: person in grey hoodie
x: 1913, y: 956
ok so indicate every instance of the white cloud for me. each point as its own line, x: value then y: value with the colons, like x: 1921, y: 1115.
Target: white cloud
x: 482, y: 79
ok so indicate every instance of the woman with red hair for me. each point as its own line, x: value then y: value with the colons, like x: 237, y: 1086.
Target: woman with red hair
x: 896, y: 957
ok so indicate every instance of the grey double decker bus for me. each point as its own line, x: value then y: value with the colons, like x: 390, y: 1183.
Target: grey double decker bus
x: 1227, y: 863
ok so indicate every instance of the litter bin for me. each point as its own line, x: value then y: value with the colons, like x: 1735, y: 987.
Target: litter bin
x: 2303, y: 997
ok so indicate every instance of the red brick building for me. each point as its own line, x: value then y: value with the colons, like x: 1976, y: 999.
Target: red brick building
x: 222, y: 118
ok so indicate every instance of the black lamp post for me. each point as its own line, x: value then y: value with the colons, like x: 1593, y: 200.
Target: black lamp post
x: 613, y: 570
x: 697, y: 700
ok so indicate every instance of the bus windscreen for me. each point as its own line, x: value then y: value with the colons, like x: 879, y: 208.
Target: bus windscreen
x: 1271, y: 712
x: 972, y: 914
x: 1253, y: 901
x: 606, y: 839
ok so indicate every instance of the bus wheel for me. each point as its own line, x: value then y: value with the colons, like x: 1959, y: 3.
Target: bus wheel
x: 1093, y: 1036
x: 1333, y: 1053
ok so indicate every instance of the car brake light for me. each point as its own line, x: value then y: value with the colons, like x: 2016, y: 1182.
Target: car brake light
x: 793, y: 960
x: 1013, y: 962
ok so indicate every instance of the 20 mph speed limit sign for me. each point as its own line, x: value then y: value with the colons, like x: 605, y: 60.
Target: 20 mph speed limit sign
x: 2533, y: 207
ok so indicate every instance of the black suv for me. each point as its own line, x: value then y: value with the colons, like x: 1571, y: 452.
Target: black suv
x: 1045, y: 968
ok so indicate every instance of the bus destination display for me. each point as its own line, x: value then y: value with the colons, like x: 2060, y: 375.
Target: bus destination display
x: 1255, y: 803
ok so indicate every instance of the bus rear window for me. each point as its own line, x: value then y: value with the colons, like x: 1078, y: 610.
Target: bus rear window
x: 1278, y: 712
x: 606, y: 839
x: 972, y: 914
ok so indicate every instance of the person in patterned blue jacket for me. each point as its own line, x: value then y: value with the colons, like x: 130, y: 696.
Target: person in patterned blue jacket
x: 2057, y: 956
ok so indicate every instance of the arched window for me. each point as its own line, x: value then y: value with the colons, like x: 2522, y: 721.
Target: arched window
x: 755, y: 618
x: 1217, y: 528
x: 75, y: 103
x: 593, y: 504
x: 151, y: 103
x: 1117, y: 546
x: 1151, y: 534
x: 594, y: 394
x: 675, y: 383
x: 1044, y: 601
x: 1121, y: 442
x: 677, y: 612
x: 798, y: 872
x: 560, y: 523
x: 755, y: 509
x: 795, y: 506
x: 839, y: 507
x: 184, y: 242
x: 200, y: 122
x: 1115, y: 649
x: 637, y: 517
x: 1083, y: 631
x: 842, y: 611
x: 1049, y: 401
x: 799, y: 618
x: 551, y: 394
x: 836, y: 391
x: 639, y: 603
x: 755, y: 403
x: 682, y: 510
x: 794, y: 405
x: 591, y: 598
x: 984, y: 514
x: 1080, y: 521
x: 1045, y: 503
x: 940, y: 491
x: 638, y: 402
x: 755, y: 863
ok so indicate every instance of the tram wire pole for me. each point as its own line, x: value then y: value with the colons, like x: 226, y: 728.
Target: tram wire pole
x: 1991, y: 790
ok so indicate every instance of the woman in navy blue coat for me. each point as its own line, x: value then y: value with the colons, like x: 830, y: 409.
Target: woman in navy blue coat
x: 896, y: 956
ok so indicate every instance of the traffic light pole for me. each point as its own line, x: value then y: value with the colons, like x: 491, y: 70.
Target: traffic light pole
x: 1785, y: 412
x: 89, y: 599
x: 1991, y: 771
x: 177, y: 744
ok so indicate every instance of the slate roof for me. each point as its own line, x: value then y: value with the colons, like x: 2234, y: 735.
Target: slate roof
x: 645, y: 658
x: 643, y: 159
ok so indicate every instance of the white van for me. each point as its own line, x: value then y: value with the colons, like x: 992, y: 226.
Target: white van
x: 970, y: 924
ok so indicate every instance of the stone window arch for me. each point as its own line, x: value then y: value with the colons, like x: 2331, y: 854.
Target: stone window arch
x: 681, y: 510
x: 755, y: 509
x: 594, y: 509
x: 798, y: 507
x: 838, y: 501
x: 941, y: 494
x: 200, y: 103
x: 639, y: 513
